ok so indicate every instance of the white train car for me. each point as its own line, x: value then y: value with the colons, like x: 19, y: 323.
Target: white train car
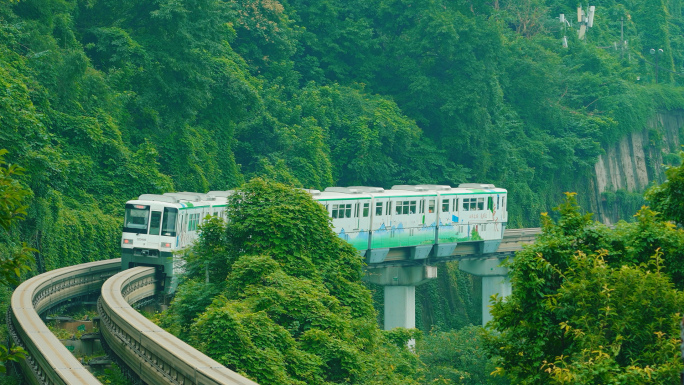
x: 430, y: 220
x: 156, y: 227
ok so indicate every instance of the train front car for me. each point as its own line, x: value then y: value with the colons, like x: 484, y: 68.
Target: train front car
x: 150, y: 233
x: 158, y: 227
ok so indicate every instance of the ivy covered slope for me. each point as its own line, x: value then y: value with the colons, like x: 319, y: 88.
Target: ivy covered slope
x: 282, y: 304
x: 102, y: 100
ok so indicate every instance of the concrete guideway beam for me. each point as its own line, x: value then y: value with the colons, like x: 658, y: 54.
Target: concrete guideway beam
x: 401, y: 275
x: 489, y: 267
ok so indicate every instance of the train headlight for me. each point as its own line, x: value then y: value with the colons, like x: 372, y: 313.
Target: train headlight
x: 127, y: 241
x: 166, y: 245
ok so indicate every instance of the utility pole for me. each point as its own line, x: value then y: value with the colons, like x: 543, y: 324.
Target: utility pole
x: 657, y: 55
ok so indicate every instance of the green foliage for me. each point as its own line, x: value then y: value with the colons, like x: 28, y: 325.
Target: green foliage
x: 14, y: 258
x: 450, y: 302
x: 457, y: 357
x: 112, y: 376
x: 284, y: 303
x: 667, y: 198
x: 615, y: 338
x: 590, y: 306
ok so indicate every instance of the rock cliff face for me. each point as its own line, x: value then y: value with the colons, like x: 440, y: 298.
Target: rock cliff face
x: 629, y: 166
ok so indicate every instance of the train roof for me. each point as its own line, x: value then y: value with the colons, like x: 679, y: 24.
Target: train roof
x: 184, y: 199
x: 214, y: 198
x: 366, y: 192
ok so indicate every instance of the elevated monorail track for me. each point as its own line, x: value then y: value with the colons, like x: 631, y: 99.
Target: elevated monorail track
x: 156, y: 356
x: 48, y: 361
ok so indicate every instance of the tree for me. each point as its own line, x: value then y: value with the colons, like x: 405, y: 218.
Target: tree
x: 457, y: 357
x: 284, y: 303
x: 14, y: 259
x: 668, y: 197
x: 584, y: 311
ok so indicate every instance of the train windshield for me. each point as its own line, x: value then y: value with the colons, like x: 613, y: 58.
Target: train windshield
x: 136, y: 219
x: 169, y: 222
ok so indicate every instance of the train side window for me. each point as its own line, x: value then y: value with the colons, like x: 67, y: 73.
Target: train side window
x: 366, y: 209
x: 169, y: 222
x: 388, y: 209
x: 431, y: 206
x: 405, y: 207
x: 378, y: 208
x: 422, y: 206
x: 445, y: 205
x: 454, y: 204
x: 490, y: 203
x: 356, y: 210
x: 480, y: 203
x: 342, y: 211
x: 470, y: 204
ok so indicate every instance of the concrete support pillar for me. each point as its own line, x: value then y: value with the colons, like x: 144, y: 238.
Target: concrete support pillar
x: 400, y: 307
x: 494, y: 280
x: 400, y: 291
x: 490, y: 286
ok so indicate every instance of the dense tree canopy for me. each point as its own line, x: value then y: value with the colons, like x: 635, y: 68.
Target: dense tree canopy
x: 281, y: 298
x: 593, y: 305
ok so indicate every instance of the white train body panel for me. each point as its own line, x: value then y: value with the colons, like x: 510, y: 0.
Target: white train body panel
x: 157, y: 227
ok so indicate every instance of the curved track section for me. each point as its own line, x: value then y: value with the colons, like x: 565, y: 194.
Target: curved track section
x: 49, y: 362
x: 155, y: 355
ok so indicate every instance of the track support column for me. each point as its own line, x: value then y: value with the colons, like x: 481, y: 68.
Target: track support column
x: 494, y: 280
x: 400, y: 291
x: 400, y: 307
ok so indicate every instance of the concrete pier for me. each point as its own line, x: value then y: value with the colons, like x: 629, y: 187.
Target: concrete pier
x: 494, y: 280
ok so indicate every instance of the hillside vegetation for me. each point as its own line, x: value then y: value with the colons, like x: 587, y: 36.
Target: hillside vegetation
x: 102, y: 100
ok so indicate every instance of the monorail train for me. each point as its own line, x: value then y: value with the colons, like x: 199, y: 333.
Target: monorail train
x: 430, y: 220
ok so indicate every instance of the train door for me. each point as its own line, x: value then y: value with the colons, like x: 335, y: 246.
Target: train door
x: 153, y: 235
x: 380, y: 222
x: 447, y: 232
x: 364, y: 219
x: 444, y: 210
